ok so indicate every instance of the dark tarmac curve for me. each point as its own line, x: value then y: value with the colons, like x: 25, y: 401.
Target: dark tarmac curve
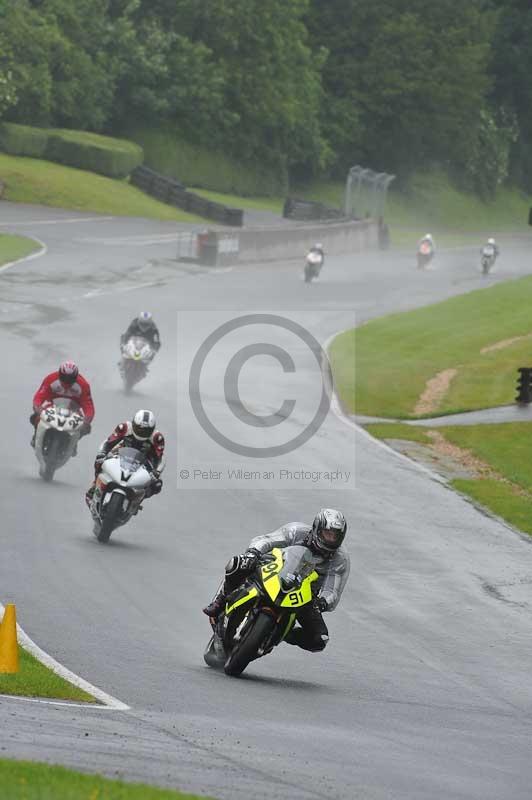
x: 424, y: 690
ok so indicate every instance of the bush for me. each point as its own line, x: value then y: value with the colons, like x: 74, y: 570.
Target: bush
x: 21, y: 140
x: 115, y: 158
x: 194, y: 165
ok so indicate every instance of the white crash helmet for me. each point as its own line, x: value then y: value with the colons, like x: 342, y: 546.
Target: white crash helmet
x: 428, y: 236
x: 144, y: 320
x: 143, y: 425
x: 491, y: 241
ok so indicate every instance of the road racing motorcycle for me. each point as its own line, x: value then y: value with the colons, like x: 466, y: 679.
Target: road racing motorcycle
x: 137, y: 355
x: 487, y: 258
x: 263, y: 609
x: 119, y: 491
x: 425, y: 254
x: 57, y: 435
x: 313, y: 265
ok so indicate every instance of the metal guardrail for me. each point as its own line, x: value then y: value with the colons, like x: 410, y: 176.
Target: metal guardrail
x: 172, y: 192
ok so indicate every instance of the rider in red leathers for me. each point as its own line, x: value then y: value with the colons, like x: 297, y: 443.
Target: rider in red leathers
x: 142, y: 435
x: 66, y: 383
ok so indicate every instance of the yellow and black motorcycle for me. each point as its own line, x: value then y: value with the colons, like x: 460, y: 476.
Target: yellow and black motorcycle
x: 259, y: 613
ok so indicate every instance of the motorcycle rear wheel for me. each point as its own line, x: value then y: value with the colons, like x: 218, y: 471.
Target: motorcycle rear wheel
x: 109, y: 521
x: 246, y: 650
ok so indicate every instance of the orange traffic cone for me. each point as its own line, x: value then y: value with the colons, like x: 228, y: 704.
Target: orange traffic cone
x: 8, y: 641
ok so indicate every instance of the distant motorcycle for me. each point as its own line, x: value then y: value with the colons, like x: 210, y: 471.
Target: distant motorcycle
x: 488, y: 257
x: 119, y: 491
x: 425, y: 254
x: 260, y: 613
x: 137, y: 355
x: 313, y: 265
x: 57, y: 435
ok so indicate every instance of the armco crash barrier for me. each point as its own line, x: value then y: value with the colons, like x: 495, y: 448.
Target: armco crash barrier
x: 172, y: 192
x: 217, y: 248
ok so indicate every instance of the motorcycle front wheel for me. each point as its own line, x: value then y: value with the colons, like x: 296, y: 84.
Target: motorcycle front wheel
x: 51, y: 459
x: 246, y: 650
x: 112, y: 511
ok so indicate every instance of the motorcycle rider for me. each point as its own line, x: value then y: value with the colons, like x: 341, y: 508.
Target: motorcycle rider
x: 324, y: 538
x: 491, y: 243
x: 143, y: 326
x: 68, y: 383
x: 427, y: 239
x: 318, y: 250
x: 141, y: 434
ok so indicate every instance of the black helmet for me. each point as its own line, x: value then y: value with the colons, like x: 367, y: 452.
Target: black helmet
x: 328, y: 531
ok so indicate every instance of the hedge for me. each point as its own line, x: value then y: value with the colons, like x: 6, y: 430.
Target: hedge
x: 115, y: 158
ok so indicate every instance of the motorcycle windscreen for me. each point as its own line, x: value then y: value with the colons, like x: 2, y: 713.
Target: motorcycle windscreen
x: 130, y: 459
x: 67, y: 405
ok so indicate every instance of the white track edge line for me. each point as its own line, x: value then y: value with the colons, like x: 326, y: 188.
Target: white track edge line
x: 28, y: 644
x: 38, y: 254
x: 347, y: 420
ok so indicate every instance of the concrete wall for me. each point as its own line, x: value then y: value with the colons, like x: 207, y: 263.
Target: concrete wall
x: 226, y: 247
x: 283, y: 243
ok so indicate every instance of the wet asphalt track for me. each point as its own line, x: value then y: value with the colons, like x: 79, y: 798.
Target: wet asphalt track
x: 424, y: 690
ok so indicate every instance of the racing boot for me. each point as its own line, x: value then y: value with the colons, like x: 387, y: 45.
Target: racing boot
x: 216, y: 606
x: 89, y: 494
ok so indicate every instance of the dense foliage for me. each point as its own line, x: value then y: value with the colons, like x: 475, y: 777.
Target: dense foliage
x: 301, y: 86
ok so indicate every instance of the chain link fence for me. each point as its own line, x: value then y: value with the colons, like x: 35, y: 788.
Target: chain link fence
x: 365, y: 193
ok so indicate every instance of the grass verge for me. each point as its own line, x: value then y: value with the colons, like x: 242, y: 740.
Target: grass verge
x: 30, y: 180
x: 432, y: 204
x: 394, y: 430
x: 506, y: 488
x: 274, y: 204
x: 15, y: 247
x: 35, y: 680
x: 395, y: 356
x: 24, y: 780
x: 506, y: 449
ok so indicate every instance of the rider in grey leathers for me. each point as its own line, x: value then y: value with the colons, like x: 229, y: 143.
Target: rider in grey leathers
x: 324, y: 538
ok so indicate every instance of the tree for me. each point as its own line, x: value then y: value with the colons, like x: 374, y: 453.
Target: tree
x: 406, y: 79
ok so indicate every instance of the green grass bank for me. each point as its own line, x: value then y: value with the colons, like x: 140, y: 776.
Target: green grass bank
x: 504, y: 483
x: 31, y: 180
x: 15, y: 247
x: 35, y: 680
x: 484, y: 336
x: 24, y: 780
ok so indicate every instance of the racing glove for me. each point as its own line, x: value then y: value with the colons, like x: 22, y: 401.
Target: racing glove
x: 249, y: 560
x: 321, y: 604
x: 156, y: 486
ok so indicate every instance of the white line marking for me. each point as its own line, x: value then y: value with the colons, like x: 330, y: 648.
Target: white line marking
x: 139, y: 241
x: 340, y: 413
x: 38, y: 254
x: 96, y: 707
x: 29, y: 645
x: 121, y: 290
x: 68, y: 221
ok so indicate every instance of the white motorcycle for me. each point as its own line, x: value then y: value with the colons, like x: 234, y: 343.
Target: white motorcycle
x: 57, y: 435
x: 313, y: 265
x: 488, y: 258
x: 120, y: 490
x: 137, y: 355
